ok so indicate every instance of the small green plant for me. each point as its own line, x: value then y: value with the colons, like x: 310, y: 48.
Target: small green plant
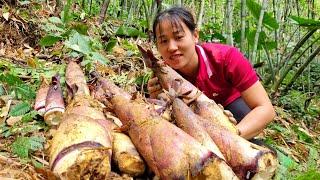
x: 23, y: 146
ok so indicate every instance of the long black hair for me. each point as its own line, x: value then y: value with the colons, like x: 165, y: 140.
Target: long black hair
x: 175, y: 15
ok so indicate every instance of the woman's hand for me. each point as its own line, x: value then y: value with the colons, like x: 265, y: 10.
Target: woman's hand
x: 154, y: 87
x: 262, y: 112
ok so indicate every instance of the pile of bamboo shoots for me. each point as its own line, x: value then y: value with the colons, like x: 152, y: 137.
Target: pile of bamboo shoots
x: 200, y: 143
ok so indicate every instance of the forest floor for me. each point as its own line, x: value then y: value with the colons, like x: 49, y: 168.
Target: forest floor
x: 25, y: 138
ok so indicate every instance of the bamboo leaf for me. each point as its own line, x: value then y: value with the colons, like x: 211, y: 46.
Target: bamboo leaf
x: 268, y: 21
x: 20, y: 109
x: 305, y: 22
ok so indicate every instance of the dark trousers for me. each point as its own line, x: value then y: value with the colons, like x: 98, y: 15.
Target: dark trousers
x: 239, y: 109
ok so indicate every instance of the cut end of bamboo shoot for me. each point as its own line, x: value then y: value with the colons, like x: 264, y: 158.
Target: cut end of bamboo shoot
x: 130, y: 164
x: 90, y: 163
x: 267, y: 165
x: 216, y: 169
x: 126, y: 156
x: 53, y: 116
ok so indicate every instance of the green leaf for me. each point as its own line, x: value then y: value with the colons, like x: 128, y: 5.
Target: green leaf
x: 268, y: 21
x: 99, y: 57
x: 25, y: 92
x: 285, y: 160
x: 81, y: 28
x: 55, y: 20
x: 79, y: 43
x: 305, y: 22
x: 20, y: 109
x: 312, y: 158
x: 143, y: 79
x: 262, y: 37
x: 49, y: 40
x: 111, y: 44
x: 66, y: 12
x: 22, y: 146
x: 301, y: 134
x: 309, y: 175
x: 10, y: 79
x: 129, y: 31
x: 29, y: 116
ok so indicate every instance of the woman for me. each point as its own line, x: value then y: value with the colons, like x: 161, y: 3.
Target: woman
x: 219, y: 71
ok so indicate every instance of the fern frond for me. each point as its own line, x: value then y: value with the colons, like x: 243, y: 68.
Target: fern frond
x: 20, y: 109
x: 23, y: 145
x: 25, y: 92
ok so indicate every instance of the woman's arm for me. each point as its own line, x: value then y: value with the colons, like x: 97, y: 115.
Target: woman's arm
x: 262, y: 112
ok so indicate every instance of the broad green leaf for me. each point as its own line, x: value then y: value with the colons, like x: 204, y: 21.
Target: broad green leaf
x: 268, y: 20
x: 81, y: 28
x: 22, y: 146
x: 285, y: 160
x: 20, y: 109
x: 262, y: 37
x: 55, y: 20
x: 313, y: 157
x: 111, y: 44
x: 129, y: 31
x: 305, y: 22
x: 79, y: 43
x: 49, y: 40
x: 99, y: 57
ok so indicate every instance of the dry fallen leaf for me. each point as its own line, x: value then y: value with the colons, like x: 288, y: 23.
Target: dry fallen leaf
x: 13, y: 119
x: 6, y: 16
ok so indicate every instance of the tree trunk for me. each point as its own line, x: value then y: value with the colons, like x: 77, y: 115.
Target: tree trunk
x: 200, y: 15
x: 214, y: 9
x: 243, y: 25
x: 103, y: 11
x: 179, y: 2
x: 229, y: 17
x: 259, y: 28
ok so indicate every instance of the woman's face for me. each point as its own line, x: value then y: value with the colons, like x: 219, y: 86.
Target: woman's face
x: 176, y: 44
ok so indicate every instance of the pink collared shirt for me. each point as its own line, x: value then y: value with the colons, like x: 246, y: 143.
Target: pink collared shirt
x: 223, y: 72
